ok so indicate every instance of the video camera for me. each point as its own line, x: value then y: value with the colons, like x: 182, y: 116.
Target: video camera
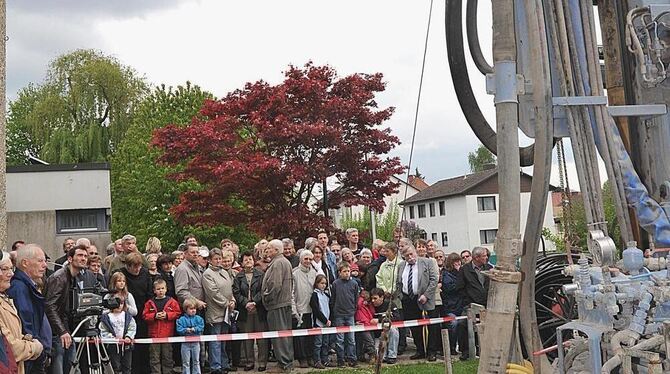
x: 91, y: 302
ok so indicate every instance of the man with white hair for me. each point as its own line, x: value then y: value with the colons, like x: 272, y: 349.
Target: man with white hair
x: 31, y: 266
x: 129, y: 245
x: 276, y: 295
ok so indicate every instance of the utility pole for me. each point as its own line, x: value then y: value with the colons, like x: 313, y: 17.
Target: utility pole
x: 496, y: 340
x: 3, y: 121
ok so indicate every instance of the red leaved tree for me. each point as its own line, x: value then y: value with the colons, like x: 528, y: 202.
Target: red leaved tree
x: 258, y: 154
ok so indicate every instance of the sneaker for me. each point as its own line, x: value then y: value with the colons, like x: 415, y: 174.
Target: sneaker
x: 352, y: 363
x: 341, y: 364
x: 390, y: 361
x: 319, y: 365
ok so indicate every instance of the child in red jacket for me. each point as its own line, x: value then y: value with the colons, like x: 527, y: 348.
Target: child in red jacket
x: 161, y: 312
x: 365, y: 344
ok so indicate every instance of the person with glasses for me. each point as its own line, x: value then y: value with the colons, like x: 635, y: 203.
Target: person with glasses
x: 24, y: 347
x: 466, y: 256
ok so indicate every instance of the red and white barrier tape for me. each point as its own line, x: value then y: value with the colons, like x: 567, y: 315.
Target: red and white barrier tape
x: 285, y: 333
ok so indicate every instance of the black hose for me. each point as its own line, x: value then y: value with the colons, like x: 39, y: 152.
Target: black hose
x: 461, y: 79
x: 473, y: 38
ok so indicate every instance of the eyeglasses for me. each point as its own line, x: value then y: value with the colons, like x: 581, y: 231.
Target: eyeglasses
x: 7, y: 270
x: 465, y: 256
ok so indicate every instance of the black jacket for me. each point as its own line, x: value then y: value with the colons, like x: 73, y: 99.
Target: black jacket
x: 241, y: 293
x: 452, y: 299
x: 467, y: 283
x: 58, y: 295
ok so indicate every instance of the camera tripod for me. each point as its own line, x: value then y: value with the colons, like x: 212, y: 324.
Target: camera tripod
x: 96, y: 360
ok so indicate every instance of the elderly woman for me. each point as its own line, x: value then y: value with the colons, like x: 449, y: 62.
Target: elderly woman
x: 217, y: 283
x: 303, y: 286
x: 23, y: 347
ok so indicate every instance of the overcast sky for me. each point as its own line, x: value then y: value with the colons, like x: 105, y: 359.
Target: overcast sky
x: 220, y: 45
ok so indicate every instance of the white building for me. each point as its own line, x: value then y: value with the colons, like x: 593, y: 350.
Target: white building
x: 48, y: 203
x: 462, y: 212
x: 404, y: 191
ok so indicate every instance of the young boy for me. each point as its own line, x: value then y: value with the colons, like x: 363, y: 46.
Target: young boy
x: 365, y: 344
x: 190, y: 324
x: 119, y: 324
x: 160, y: 312
x: 344, y: 293
x: 381, y: 305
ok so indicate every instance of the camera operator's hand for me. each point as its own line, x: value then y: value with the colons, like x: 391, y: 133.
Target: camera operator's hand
x: 66, y: 340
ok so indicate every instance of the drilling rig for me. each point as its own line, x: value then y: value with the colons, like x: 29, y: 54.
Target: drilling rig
x: 551, y: 79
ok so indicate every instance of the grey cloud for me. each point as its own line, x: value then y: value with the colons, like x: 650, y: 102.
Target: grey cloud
x: 91, y: 8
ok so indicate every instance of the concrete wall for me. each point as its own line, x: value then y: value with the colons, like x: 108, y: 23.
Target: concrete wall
x: 58, y: 190
x: 40, y: 227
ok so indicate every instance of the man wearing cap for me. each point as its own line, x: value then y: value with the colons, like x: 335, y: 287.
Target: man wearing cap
x: 203, y: 259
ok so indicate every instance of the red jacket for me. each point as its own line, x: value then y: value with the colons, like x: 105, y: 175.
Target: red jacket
x: 364, y: 312
x: 163, y: 328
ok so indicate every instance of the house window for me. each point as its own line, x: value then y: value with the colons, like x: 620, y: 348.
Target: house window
x: 445, y: 239
x: 82, y: 220
x: 433, y: 236
x: 486, y: 204
x: 431, y: 209
x: 411, y: 212
x: 422, y: 210
x: 488, y: 236
x: 442, y: 210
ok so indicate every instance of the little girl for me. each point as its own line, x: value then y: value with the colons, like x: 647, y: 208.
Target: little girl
x: 190, y: 324
x: 117, y: 285
x: 321, y: 314
x: 119, y: 324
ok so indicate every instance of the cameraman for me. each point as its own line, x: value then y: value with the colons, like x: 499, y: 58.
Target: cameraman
x: 59, y: 306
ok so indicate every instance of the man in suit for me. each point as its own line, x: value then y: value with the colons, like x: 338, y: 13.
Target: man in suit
x: 474, y: 286
x: 417, y: 281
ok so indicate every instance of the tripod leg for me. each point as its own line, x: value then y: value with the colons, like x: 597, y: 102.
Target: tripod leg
x: 75, y: 365
x: 105, y: 363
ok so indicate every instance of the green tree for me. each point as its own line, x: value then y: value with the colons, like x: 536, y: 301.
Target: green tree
x: 80, y: 113
x: 141, y: 192
x: 479, y: 158
x: 385, y: 223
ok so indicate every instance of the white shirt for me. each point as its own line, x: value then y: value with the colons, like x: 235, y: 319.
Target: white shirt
x: 318, y: 267
x: 415, y: 278
x: 118, y: 321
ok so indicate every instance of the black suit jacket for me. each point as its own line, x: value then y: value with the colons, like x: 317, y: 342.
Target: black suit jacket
x: 468, y: 284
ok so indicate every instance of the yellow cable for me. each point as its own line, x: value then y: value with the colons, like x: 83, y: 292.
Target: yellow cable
x: 528, y: 364
x: 517, y: 371
x: 519, y: 368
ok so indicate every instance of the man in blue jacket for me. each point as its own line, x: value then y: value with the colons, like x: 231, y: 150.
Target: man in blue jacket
x: 30, y: 268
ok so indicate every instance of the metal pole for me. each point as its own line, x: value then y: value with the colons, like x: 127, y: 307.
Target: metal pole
x: 325, y: 198
x: 503, y: 291
x: 3, y: 105
x: 373, y: 225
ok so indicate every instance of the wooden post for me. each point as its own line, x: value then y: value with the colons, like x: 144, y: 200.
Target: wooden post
x: 446, y: 349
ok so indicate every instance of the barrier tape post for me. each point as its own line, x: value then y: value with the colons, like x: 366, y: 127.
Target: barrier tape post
x: 284, y: 333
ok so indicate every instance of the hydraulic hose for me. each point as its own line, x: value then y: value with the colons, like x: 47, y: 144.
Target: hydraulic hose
x: 473, y: 38
x: 463, y: 88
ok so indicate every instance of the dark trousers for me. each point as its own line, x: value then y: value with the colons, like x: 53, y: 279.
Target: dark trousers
x: 411, y: 311
x: 303, y: 346
x: 141, y: 351
x: 121, y: 359
x: 365, y: 344
x: 254, y: 324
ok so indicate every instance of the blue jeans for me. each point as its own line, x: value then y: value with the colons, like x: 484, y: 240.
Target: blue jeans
x: 190, y: 358
x: 218, y: 359
x: 394, y: 338
x: 346, y: 344
x: 62, y: 358
x: 321, y: 348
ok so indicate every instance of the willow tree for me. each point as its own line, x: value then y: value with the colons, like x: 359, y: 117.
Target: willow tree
x: 80, y: 113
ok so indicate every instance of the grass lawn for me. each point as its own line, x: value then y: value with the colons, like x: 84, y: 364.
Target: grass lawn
x: 466, y: 367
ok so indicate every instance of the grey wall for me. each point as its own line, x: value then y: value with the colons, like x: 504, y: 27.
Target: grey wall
x: 40, y: 227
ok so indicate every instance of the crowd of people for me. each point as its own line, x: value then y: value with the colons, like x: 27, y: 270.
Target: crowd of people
x: 272, y: 287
